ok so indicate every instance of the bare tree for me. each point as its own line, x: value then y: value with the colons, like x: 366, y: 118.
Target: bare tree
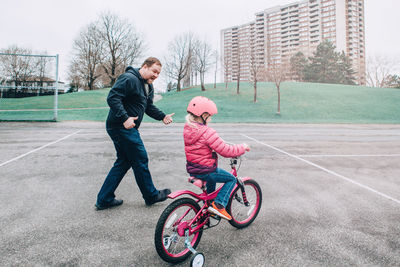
x: 179, y: 58
x: 277, y: 73
x: 75, y: 76
x: 239, y: 62
x: 226, y: 69
x: 192, y: 67
x: 203, y: 53
x: 378, y: 71
x: 216, y: 57
x: 2, y: 77
x: 191, y: 76
x: 41, y: 69
x: 122, y: 45
x: 238, y: 58
x: 194, y: 73
x: 88, y: 50
x: 15, y: 68
x: 256, y: 69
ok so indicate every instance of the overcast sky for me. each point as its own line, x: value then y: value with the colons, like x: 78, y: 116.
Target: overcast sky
x: 52, y: 25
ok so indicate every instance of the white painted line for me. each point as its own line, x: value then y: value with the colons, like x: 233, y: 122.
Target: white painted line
x: 37, y: 149
x: 326, y: 170
x: 366, y: 155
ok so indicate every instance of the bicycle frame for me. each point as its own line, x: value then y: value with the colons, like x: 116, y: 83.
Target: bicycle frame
x: 205, y: 197
x: 185, y: 219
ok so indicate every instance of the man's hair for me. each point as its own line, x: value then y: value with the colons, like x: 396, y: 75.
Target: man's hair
x: 150, y: 61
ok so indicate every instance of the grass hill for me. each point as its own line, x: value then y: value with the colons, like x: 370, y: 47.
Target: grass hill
x: 300, y: 103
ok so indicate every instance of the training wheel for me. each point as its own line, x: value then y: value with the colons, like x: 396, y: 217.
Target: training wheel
x: 197, y: 260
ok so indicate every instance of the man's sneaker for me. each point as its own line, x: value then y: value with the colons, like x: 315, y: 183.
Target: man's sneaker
x: 219, y: 211
x: 162, y: 195
x: 112, y: 204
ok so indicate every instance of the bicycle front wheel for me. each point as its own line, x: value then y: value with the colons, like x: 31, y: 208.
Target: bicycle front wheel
x: 242, y: 215
x: 169, y: 240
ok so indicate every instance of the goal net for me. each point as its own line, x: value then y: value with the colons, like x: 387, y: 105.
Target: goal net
x: 29, y: 87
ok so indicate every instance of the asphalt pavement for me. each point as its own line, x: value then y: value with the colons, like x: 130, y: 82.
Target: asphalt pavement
x: 331, y: 196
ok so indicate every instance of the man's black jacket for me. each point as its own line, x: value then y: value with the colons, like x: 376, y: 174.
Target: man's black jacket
x: 128, y: 98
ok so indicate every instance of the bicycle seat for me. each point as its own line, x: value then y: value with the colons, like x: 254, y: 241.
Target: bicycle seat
x: 197, y: 182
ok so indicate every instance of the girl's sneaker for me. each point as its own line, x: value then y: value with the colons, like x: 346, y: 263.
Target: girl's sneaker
x: 219, y: 211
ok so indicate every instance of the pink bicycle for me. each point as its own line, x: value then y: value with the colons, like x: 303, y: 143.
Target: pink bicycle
x: 180, y: 226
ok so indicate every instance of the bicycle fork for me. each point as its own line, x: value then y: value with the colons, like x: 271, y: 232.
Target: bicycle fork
x: 241, y: 185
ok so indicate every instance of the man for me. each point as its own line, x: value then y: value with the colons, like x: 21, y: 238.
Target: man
x: 129, y: 98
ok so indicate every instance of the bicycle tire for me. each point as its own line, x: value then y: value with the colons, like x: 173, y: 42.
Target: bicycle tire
x: 243, y: 216
x: 165, y: 238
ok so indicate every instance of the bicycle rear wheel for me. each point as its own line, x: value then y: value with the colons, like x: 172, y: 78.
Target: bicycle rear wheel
x: 169, y: 242
x: 242, y: 215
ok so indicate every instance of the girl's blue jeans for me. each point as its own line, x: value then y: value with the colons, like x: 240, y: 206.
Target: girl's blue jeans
x: 219, y: 176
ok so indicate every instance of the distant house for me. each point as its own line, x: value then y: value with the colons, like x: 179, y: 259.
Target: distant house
x: 31, y: 86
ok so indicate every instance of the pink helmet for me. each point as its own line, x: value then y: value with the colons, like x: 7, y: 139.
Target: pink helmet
x: 200, y: 104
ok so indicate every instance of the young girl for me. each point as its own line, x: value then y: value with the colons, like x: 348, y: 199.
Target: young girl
x: 202, y: 144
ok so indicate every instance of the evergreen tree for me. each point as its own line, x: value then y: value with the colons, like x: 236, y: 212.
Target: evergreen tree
x: 322, y: 65
x: 329, y: 66
x: 345, y: 70
x: 298, y: 63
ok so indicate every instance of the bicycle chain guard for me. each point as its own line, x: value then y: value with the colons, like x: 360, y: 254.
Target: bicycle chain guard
x: 182, y: 227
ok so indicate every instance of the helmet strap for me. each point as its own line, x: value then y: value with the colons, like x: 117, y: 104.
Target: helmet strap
x: 204, y: 119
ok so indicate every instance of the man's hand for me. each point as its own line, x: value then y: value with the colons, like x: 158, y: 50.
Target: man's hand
x: 130, y: 122
x: 168, y: 118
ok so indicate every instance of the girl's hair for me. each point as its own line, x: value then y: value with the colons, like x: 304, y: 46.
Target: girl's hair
x: 192, y: 119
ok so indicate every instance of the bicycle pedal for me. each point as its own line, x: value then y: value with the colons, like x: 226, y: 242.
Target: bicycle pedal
x: 216, y: 217
x: 214, y: 221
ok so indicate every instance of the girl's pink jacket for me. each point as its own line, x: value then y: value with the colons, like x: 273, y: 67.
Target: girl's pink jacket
x: 200, y: 142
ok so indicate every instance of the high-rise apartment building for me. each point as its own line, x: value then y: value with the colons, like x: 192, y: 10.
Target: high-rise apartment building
x: 279, y: 32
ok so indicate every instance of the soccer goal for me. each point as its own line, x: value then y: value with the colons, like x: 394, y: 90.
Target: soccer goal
x: 29, y: 87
